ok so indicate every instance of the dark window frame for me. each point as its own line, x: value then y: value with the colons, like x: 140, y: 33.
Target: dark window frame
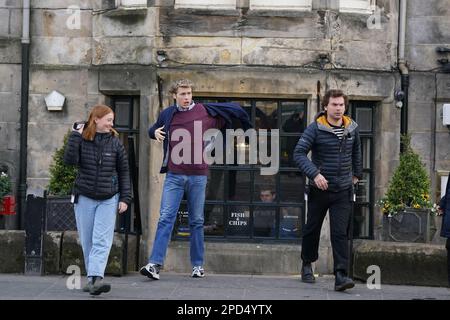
x: 225, y: 204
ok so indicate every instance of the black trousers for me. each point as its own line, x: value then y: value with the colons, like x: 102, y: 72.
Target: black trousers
x: 339, y: 205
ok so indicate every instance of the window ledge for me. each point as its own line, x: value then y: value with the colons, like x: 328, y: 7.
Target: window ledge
x: 279, y: 13
x: 127, y: 11
x: 209, y: 12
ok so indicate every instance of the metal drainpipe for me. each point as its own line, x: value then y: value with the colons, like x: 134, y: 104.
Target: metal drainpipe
x: 22, y: 187
x: 403, y: 67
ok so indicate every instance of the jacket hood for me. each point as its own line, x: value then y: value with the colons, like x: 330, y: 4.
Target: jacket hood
x: 322, y: 123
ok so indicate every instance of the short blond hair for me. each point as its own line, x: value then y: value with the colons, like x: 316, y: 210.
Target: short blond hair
x: 182, y: 83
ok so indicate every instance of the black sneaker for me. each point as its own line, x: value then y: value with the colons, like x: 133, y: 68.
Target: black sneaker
x: 98, y: 287
x: 150, y: 270
x: 198, y: 272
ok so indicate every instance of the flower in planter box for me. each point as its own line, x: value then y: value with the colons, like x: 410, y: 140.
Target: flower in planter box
x: 5, y: 185
x: 409, y: 186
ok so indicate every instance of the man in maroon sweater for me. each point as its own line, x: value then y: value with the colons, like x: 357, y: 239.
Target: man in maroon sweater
x: 183, y: 126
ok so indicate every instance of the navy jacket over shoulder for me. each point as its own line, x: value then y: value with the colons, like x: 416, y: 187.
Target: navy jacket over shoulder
x: 227, y: 111
x: 445, y: 206
x: 337, y: 160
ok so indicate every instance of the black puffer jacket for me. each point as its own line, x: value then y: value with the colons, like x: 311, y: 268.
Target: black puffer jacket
x: 337, y: 160
x: 102, y: 166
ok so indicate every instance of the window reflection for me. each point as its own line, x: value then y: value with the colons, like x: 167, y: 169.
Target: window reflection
x: 292, y: 117
x: 266, y: 115
x: 215, y: 185
x: 214, y: 220
x: 181, y: 228
x: 265, y: 188
x: 264, y: 221
x: 287, y: 151
x: 238, y: 185
x: 290, y: 222
x: 292, y: 186
x: 238, y: 221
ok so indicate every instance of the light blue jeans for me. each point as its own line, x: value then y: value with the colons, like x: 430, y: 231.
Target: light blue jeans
x: 96, y: 220
x: 174, y: 187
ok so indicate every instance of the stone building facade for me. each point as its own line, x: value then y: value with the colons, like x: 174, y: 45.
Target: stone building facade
x: 254, y: 51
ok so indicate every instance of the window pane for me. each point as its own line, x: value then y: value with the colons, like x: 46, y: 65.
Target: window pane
x: 214, y: 220
x: 287, y: 151
x: 264, y: 221
x: 264, y: 188
x: 239, y: 185
x: 292, y: 187
x: 266, y: 115
x: 238, y: 221
x: 366, y: 145
x: 292, y: 117
x: 215, y: 185
x: 182, y: 223
x: 362, y: 194
x: 364, y: 119
x: 361, y: 221
x: 122, y: 114
x: 290, y: 222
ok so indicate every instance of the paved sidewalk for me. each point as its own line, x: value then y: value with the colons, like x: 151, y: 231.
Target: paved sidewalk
x: 175, y: 286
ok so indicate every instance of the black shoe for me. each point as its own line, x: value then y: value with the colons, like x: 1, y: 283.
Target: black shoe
x: 98, y: 287
x: 342, y: 282
x: 307, y: 273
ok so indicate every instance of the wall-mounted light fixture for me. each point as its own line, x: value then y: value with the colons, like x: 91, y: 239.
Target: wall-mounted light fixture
x: 399, y: 95
x: 161, y: 57
x: 54, y: 101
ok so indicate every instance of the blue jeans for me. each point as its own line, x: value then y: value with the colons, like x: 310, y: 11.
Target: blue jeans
x: 96, y: 220
x: 174, y: 187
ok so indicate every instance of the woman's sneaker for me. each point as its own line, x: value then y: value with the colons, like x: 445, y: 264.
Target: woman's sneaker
x: 151, y: 270
x: 198, y: 272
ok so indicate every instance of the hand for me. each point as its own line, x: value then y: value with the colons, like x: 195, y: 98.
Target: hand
x: 122, y: 207
x: 80, y: 131
x: 160, y: 135
x: 355, y: 180
x: 321, y: 182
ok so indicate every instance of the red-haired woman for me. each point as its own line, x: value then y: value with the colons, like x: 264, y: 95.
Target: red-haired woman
x: 102, y: 188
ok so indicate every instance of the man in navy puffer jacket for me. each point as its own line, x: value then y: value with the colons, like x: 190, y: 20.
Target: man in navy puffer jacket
x: 335, y: 166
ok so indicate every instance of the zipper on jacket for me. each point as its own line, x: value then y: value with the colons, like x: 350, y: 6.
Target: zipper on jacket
x: 98, y: 163
x: 343, y: 140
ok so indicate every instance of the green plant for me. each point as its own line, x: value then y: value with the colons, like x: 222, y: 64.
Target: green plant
x: 409, y: 186
x: 62, y: 176
x: 5, y: 185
